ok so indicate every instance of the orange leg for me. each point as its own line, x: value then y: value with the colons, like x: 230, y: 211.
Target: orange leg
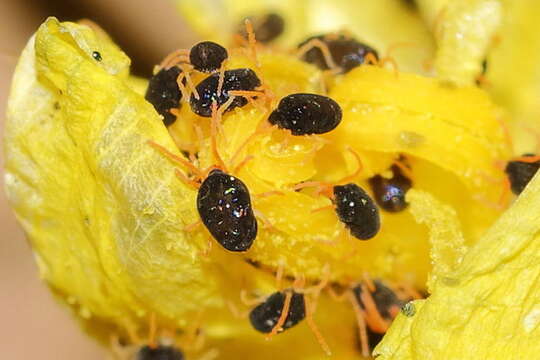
x: 323, y: 187
x: 210, y: 245
x: 324, y: 49
x: 527, y: 159
x: 284, y: 313
x: 251, y: 96
x: 175, y: 158
x: 362, y: 330
x: 173, y: 58
x: 279, y: 275
x: 221, y: 79
x: 323, y: 208
x: 186, y: 180
x: 152, y: 331
x: 317, y: 289
x: 192, y: 227
x: 252, y: 42
x: 243, y: 163
x: 359, y: 169
x: 373, y: 318
x: 310, y: 309
x: 405, y: 169
x: 368, y: 281
x: 216, y: 119
x: 246, y: 300
x: 370, y: 59
x: 186, y: 70
x: 180, y: 82
x: 269, y: 193
x: 335, y: 296
x: 265, y: 128
x: 267, y: 224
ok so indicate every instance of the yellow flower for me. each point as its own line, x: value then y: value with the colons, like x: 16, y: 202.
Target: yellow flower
x: 108, y: 218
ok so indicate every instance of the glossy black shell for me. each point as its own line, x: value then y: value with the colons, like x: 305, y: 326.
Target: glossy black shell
x: 224, y: 206
x: 265, y: 316
x: 390, y: 193
x: 520, y: 173
x: 207, y: 56
x: 237, y: 79
x: 357, y: 211
x: 384, y: 298
x: 266, y: 27
x: 160, y: 352
x: 346, y: 52
x: 305, y: 114
x: 163, y: 92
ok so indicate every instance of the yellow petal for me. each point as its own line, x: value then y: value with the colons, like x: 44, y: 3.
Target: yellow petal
x: 403, y: 36
x: 487, y: 307
x: 464, y: 31
x: 107, y: 217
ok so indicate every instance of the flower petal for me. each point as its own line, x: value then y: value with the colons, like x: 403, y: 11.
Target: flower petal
x: 488, y: 306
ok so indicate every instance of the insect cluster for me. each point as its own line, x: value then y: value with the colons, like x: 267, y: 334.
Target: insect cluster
x: 224, y: 202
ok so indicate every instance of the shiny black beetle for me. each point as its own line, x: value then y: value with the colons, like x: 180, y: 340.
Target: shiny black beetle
x: 237, y: 79
x: 160, y: 352
x: 224, y: 206
x: 305, y: 114
x: 357, y: 211
x: 265, y: 316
